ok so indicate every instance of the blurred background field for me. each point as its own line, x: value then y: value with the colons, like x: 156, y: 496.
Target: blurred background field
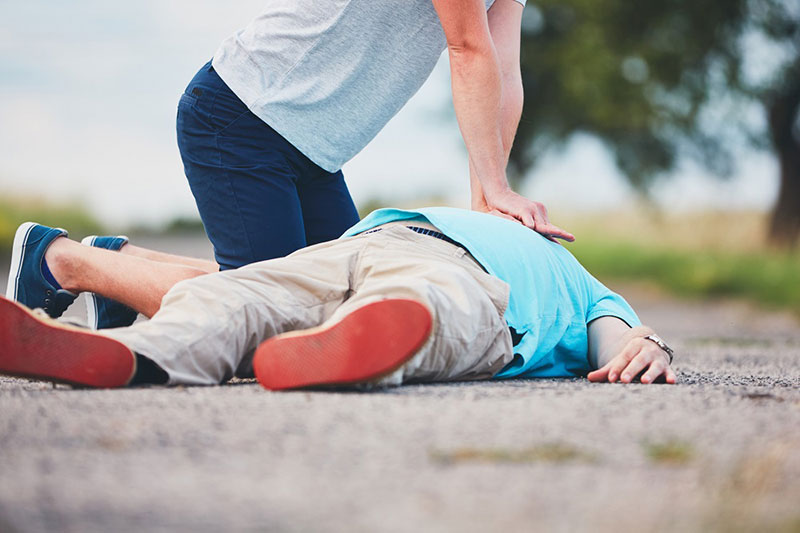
x: 699, y: 255
x: 15, y: 210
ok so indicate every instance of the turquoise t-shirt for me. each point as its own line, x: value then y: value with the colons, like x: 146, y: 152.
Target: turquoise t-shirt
x: 552, y: 299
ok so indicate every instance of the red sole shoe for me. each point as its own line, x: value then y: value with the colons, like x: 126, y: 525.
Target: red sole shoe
x: 37, y: 348
x: 367, y: 344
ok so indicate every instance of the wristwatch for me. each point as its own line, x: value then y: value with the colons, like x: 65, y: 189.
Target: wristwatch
x: 661, y: 344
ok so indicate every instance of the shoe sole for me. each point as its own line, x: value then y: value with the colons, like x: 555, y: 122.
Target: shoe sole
x: 34, y: 348
x: 17, y: 252
x: 367, y: 344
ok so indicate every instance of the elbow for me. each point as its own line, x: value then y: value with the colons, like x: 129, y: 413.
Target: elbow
x: 465, y: 50
x: 515, y: 91
x: 469, y: 59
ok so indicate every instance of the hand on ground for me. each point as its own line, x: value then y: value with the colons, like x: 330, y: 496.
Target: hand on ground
x: 639, y: 355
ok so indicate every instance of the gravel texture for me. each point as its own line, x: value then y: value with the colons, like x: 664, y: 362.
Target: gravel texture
x: 719, y: 451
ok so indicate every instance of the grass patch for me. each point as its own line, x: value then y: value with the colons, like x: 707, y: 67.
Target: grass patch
x: 770, y: 278
x: 700, y: 255
x: 72, y: 217
x: 544, y: 453
x: 672, y: 452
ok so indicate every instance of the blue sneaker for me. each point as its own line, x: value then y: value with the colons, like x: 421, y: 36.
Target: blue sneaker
x: 104, y: 312
x: 26, y: 280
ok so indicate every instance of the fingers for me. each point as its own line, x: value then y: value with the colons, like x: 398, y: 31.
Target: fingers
x: 657, y: 368
x: 644, y: 359
x: 530, y: 214
x: 543, y: 225
x: 500, y: 214
x: 618, y: 363
x: 539, y: 212
x: 554, y: 232
x: 636, y: 357
x: 599, y: 375
x: 558, y: 233
x: 528, y: 220
x: 650, y: 358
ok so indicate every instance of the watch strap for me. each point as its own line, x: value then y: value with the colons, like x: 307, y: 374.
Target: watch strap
x: 661, y: 344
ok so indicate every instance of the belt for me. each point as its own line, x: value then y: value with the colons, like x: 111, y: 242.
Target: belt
x: 428, y: 232
x: 435, y: 234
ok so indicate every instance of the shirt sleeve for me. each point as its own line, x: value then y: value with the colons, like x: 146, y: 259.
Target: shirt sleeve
x: 521, y: 2
x: 612, y: 304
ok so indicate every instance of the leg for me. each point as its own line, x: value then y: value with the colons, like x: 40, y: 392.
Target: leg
x: 239, y: 172
x: 401, y: 282
x: 209, y: 326
x: 161, y: 257
x: 205, y: 332
x: 104, y: 312
x: 328, y: 208
x: 470, y: 338
x: 132, y: 280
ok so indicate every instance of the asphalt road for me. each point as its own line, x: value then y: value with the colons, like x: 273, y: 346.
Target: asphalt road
x: 719, y: 451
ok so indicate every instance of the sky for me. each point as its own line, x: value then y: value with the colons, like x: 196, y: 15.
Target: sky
x: 89, y: 89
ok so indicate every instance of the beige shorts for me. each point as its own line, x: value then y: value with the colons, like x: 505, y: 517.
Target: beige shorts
x: 208, y: 327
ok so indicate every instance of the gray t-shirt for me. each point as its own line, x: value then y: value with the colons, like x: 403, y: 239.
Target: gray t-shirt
x: 329, y: 74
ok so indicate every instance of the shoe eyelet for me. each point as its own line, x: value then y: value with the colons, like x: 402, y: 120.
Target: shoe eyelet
x: 48, y: 292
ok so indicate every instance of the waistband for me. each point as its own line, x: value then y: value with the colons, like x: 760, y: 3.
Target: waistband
x: 432, y: 233
x: 429, y: 232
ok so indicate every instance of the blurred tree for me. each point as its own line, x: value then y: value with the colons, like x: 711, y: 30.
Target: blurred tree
x: 657, y: 82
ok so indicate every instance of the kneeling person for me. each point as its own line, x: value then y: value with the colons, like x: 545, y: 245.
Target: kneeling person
x: 437, y: 294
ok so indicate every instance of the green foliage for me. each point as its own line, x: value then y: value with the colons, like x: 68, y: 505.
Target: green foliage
x: 15, y: 211
x: 556, y: 452
x: 372, y: 204
x: 184, y: 225
x: 176, y: 226
x: 770, y: 278
x: 655, y: 81
x: 672, y: 452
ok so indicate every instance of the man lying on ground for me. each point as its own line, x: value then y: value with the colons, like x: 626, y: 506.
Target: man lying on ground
x: 437, y: 294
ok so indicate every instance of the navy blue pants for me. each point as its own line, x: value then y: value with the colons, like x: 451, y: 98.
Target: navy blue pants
x: 258, y: 196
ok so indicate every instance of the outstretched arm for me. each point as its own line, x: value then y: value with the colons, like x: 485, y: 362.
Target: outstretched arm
x: 620, y: 353
x: 487, y: 96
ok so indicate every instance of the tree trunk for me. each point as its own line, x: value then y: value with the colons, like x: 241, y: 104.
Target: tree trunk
x: 783, y: 115
x: 785, y: 223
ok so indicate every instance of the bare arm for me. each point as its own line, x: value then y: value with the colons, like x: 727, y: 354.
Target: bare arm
x: 487, y: 111
x: 504, y: 27
x: 620, y: 352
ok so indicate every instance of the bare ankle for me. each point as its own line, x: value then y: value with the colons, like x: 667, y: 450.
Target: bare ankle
x: 62, y: 260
